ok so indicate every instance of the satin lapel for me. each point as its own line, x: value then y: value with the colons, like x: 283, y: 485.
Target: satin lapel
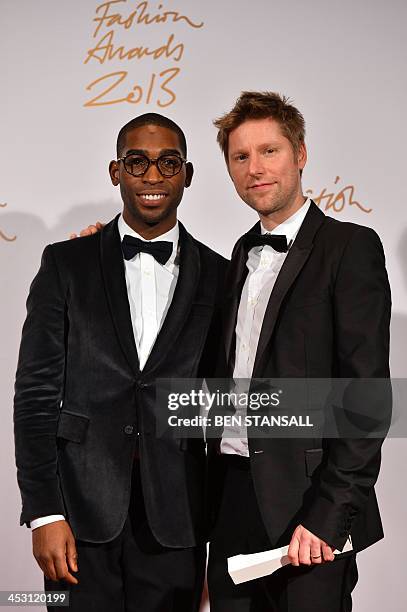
x: 184, y: 294
x: 116, y: 290
x: 294, y: 262
x: 236, y: 277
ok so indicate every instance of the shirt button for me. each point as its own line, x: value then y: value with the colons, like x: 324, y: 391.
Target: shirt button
x: 128, y: 429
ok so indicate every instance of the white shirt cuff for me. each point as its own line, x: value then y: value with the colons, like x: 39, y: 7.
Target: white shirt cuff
x: 44, y: 520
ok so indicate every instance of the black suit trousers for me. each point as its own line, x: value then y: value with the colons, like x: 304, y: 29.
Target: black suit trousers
x: 239, y: 529
x: 133, y: 572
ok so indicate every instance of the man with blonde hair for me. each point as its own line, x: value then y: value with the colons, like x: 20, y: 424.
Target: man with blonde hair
x: 307, y: 297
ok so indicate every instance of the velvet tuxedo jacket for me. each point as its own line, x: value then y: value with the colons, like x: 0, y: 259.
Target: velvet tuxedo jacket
x: 82, y: 406
x: 327, y: 317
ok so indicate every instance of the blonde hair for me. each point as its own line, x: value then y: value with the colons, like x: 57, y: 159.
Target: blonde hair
x: 262, y: 105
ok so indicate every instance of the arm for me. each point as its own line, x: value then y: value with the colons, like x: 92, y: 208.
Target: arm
x: 38, y: 393
x: 362, y: 305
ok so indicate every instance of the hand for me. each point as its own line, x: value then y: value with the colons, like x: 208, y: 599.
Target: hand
x: 55, y: 551
x: 308, y: 549
x: 88, y: 231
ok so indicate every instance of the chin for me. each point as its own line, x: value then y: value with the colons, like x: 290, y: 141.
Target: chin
x: 152, y: 215
x: 264, y: 208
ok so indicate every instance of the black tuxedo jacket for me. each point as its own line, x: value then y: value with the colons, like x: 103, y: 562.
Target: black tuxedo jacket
x: 327, y: 317
x: 82, y: 406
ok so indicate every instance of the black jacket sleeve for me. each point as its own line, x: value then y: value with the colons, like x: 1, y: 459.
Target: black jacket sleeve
x: 362, y: 305
x: 38, y: 393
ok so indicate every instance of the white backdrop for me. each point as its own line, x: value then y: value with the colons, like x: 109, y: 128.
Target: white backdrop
x: 69, y: 82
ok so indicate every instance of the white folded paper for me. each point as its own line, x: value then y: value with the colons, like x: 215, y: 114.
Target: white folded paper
x: 248, y: 567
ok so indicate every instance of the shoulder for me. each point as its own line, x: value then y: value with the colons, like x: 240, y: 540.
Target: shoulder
x: 206, y: 254
x: 337, y: 239
x: 211, y: 255
x: 333, y: 229
x: 74, y: 245
x: 213, y: 266
x: 353, y: 250
x: 78, y: 248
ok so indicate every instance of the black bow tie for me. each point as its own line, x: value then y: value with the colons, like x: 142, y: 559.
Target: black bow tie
x: 160, y: 250
x: 277, y: 241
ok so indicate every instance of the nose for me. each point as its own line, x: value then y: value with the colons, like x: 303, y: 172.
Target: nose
x: 255, y: 166
x: 152, y: 175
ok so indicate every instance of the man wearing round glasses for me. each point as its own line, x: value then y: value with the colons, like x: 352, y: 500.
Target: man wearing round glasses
x: 152, y: 172
x: 117, y: 513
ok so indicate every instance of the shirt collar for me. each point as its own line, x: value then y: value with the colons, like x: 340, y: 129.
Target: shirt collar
x: 171, y: 236
x: 290, y: 227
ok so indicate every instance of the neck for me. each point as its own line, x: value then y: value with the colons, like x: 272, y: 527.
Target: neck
x: 271, y: 220
x: 150, y: 230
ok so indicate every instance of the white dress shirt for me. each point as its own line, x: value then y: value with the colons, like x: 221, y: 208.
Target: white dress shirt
x: 150, y: 289
x: 264, y: 265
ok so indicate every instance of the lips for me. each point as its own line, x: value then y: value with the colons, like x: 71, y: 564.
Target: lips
x: 261, y: 186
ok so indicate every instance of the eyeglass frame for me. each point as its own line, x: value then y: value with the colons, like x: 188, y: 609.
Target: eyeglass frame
x: 153, y: 162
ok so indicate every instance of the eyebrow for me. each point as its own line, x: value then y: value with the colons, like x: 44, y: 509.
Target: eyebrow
x: 264, y: 145
x: 146, y: 153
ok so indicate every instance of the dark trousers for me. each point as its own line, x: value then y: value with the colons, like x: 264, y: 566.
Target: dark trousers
x: 239, y: 530
x: 133, y: 572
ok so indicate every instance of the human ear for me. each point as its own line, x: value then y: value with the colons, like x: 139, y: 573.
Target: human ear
x: 189, y: 171
x: 302, y: 156
x: 114, y: 172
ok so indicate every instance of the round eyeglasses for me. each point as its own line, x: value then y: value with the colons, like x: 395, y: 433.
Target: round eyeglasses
x: 137, y: 164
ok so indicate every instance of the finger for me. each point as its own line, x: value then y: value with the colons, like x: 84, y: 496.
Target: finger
x: 85, y: 232
x: 48, y: 567
x: 61, y: 567
x: 327, y: 552
x: 71, y: 555
x: 72, y: 236
x: 70, y: 578
x: 62, y: 571
x: 304, y: 553
x: 316, y: 552
x: 100, y: 225
x: 44, y: 568
x: 293, y: 550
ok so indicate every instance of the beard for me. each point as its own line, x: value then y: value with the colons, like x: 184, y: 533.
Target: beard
x: 269, y: 203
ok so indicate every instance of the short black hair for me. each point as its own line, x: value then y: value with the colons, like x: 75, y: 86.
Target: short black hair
x: 150, y: 119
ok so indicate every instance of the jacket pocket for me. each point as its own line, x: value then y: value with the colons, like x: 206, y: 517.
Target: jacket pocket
x: 72, y: 426
x: 313, y: 458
